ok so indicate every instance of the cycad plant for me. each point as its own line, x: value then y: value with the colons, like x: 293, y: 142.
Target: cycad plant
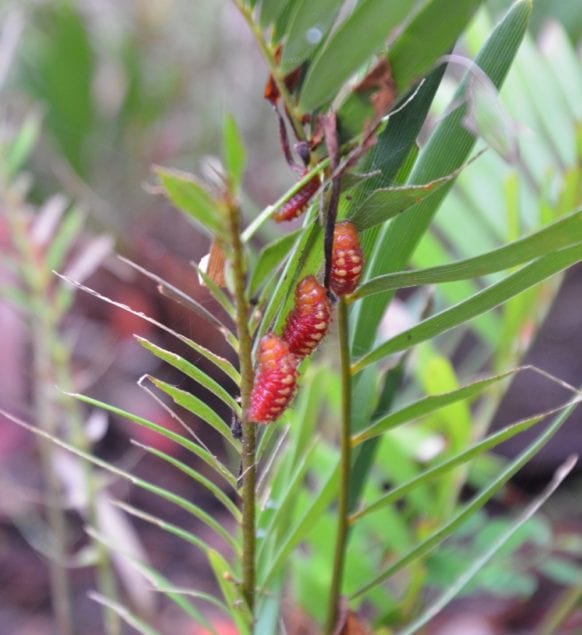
x: 335, y: 496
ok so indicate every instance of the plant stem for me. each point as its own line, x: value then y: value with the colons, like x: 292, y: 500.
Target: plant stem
x: 345, y: 466
x: 558, y: 613
x: 295, y: 115
x: 103, y: 567
x: 42, y: 330
x: 45, y: 416
x: 249, y: 440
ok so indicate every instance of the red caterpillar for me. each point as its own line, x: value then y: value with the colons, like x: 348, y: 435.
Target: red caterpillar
x: 346, y: 260
x: 296, y: 205
x: 275, y: 380
x: 309, y: 320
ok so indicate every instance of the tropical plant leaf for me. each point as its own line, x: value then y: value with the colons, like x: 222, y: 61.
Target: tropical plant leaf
x: 197, y: 407
x: 192, y: 198
x: 284, y: 502
x: 482, y: 301
x: 426, y: 406
x: 124, y: 613
x: 446, y: 150
x: 385, y: 203
x: 224, y: 365
x: 476, y: 503
x: 430, y: 33
x: 217, y: 293
x: 310, y: 516
x: 179, y: 296
x: 270, y: 10
x: 200, y: 452
x: 308, y: 27
x: 193, y: 509
x: 21, y: 146
x: 564, y: 232
x: 479, y: 563
x: 221, y: 496
x: 190, y: 370
x: 170, y: 528
x: 269, y: 259
x: 231, y: 592
x: 234, y: 151
x: 360, y: 35
x: 160, y: 583
x: 61, y: 243
x: 464, y: 456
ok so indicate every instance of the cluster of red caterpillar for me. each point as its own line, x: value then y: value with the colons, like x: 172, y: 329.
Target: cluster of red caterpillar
x: 276, y: 373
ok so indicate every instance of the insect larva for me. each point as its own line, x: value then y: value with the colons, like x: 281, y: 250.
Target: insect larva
x: 275, y: 380
x: 309, y: 320
x: 297, y: 204
x: 347, y: 260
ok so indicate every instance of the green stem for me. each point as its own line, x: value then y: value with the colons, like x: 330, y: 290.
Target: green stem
x: 103, y: 567
x: 46, y: 417
x: 557, y: 615
x: 249, y: 430
x: 345, y: 465
x: 295, y: 114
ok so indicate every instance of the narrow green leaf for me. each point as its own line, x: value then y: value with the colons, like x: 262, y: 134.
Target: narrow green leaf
x: 479, y: 563
x: 476, y: 503
x: 179, y: 296
x: 362, y: 34
x: 300, y: 253
x: 270, y: 257
x: 234, y: 151
x: 190, y: 370
x: 282, y: 23
x: 161, y: 583
x: 197, y: 407
x: 309, y: 26
x: 284, y: 503
x: 426, y: 406
x: 271, y: 10
x: 446, y: 150
x: 231, y: 592
x: 431, y: 33
x: 124, y: 613
x: 62, y: 241
x: 385, y: 203
x: 310, y: 516
x: 146, y: 485
x: 564, y: 232
x: 192, y: 198
x: 217, y: 293
x: 443, y: 467
x: 225, y: 366
x: 59, y: 65
x: 197, y: 450
x: 21, y: 146
x: 169, y: 528
x: 196, y: 476
x: 478, y: 303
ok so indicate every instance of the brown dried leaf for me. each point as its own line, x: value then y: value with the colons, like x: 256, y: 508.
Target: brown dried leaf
x: 380, y: 83
x: 271, y: 92
x: 216, y: 263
